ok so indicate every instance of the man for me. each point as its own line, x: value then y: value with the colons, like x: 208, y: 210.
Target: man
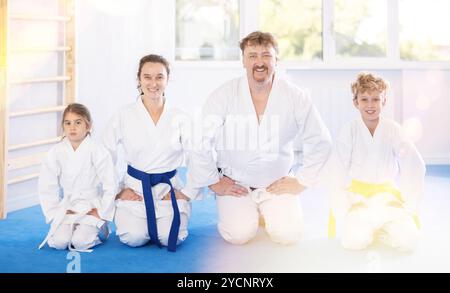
x: 252, y: 122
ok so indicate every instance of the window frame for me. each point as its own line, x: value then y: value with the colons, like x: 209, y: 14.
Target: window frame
x: 249, y: 22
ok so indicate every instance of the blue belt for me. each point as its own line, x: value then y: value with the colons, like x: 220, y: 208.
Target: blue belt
x: 148, y: 181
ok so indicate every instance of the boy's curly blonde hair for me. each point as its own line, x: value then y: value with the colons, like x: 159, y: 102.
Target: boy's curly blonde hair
x: 368, y: 82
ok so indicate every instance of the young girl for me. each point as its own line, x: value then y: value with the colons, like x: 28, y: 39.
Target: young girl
x: 77, y: 185
x: 379, y: 174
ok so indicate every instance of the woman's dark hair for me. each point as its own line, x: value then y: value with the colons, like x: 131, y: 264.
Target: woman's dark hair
x: 152, y: 58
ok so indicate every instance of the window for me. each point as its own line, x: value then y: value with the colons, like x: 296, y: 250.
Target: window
x: 424, y: 29
x: 297, y: 24
x: 331, y: 32
x: 360, y: 28
x: 216, y: 27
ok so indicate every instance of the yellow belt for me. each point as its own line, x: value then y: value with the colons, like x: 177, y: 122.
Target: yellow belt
x: 368, y: 190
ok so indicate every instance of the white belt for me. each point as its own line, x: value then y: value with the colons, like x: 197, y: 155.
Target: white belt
x: 62, y: 210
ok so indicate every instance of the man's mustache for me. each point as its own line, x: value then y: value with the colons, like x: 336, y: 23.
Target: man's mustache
x: 259, y: 67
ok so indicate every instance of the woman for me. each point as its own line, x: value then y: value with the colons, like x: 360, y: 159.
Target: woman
x: 155, y: 138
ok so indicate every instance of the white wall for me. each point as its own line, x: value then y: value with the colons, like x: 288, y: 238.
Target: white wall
x: 426, y: 97
x: 110, y: 42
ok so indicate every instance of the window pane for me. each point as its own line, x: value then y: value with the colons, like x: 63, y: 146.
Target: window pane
x: 207, y: 30
x: 297, y: 24
x: 424, y: 30
x: 360, y: 28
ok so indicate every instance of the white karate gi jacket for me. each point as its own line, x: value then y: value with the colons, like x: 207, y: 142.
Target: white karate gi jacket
x: 257, y: 154
x: 77, y: 180
x: 152, y: 149
x: 387, y: 157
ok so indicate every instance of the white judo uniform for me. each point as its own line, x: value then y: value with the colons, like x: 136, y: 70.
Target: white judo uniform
x: 255, y: 154
x: 77, y: 180
x: 150, y: 148
x: 379, y: 182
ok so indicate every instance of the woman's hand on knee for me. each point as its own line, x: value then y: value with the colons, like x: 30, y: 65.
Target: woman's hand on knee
x: 178, y: 195
x: 129, y: 194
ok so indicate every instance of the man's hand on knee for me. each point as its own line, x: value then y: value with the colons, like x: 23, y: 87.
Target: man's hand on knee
x: 357, y: 206
x: 94, y: 212
x: 227, y: 186
x: 286, y: 185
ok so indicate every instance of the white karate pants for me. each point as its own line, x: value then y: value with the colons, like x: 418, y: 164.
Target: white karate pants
x: 393, y: 226
x: 79, y: 236
x: 239, y: 216
x: 131, y: 223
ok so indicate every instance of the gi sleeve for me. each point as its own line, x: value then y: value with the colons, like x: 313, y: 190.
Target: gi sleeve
x: 314, y: 136
x: 187, y: 129
x: 336, y: 174
x: 202, y: 163
x: 412, y: 171
x: 48, y: 186
x: 106, y: 172
x: 112, y: 138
